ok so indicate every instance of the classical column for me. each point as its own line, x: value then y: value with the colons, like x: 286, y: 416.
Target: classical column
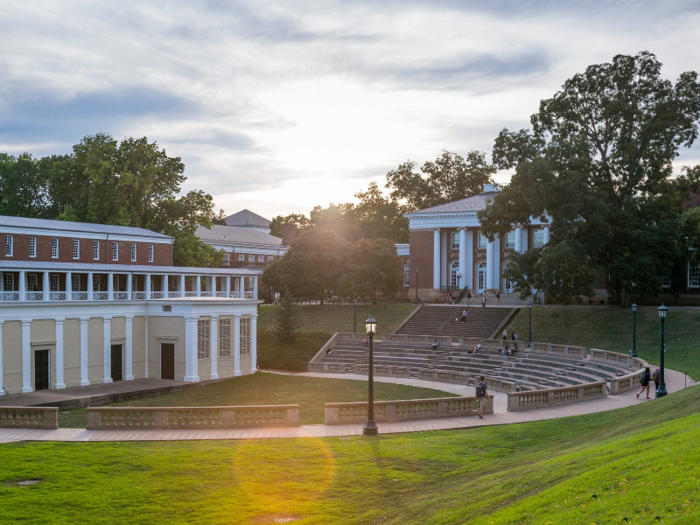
x: 436, y: 259
x: 518, y: 238
x: 182, y: 285
x: 497, y: 263
x: 253, y: 343
x: 22, y: 285
x: 214, y: 346
x: 145, y: 346
x: 129, y: 348
x: 107, y: 350
x: 198, y: 285
x: 212, y: 280
x: 228, y: 286
x: 58, y: 326
x: 129, y: 286
x: 166, y: 284
x: 236, y: 345
x: 69, y: 286
x: 110, y: 287
x: 2, y: 385
x: 89, y: 286
x: 45, y: 286
x: 27, y: 356
x: 84, y: 381
x: 463, y: 268
x: 469, y: 266
x: 489, y: 265
x: 255, y: 287
x: 191, y: 358
x: 545, y: 235
x: 147, y: 285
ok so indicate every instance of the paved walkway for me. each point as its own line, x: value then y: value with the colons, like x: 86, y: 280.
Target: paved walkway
x: 674, y: 381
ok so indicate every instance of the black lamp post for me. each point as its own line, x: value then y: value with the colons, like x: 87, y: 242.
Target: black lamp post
x: 529, y: 324
x: 370, y: 428
x: 661, y: 392
x: 354, y: 317
x: 416, y: 285
x: 634, y: 330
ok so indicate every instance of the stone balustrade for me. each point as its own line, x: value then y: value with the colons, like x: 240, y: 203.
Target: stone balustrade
x: 129, y: 418
x: 628, y: 382
x: 633, y: 363
x: 405, y: 410
x: 547, y: 348
x: 29, y: 417
x: 556, y: 396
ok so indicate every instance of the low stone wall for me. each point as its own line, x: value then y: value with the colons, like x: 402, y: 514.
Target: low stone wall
x: 339, y: 413
x: 632, y: 363
x: 546, y: 348
x: 390, y: 371
x: 464, y: 379
x: 330, y: 368
x: 625, y: 383
x: 556, y: 396
x: 111, y: 418
x: 29, y: 417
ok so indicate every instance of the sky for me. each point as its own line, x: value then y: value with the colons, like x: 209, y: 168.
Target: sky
x: 281, y: 106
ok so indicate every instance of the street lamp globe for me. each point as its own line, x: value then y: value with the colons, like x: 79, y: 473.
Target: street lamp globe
x: 634, y: 308
x: 663, y: 311
x: 371, y: 325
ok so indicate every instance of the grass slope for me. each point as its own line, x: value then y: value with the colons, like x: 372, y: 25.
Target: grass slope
x: 610, y: 328
x: 310, y: 393
x: 625, y: 466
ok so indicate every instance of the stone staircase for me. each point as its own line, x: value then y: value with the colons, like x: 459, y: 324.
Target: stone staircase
x: 444, y: 319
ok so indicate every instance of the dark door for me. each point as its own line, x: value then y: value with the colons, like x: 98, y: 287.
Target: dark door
x: 116, y: 362
x: 167, y: 361
x: 41, y: 370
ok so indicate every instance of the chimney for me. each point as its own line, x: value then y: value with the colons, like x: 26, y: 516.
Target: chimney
x: 289, y: 232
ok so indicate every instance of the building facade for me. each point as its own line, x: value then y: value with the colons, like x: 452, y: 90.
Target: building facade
x: 116, y: 310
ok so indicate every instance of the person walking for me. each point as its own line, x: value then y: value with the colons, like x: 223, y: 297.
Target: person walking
x: 482, y: 395
x: 498, y: 297
x: 464, y: 315
x: 656, y: 378
x: 483, y: 301
x: 469, y: 297
x: 644, y: 380
x: 505, y: 335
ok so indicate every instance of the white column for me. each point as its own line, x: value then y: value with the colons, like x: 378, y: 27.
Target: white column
x: 519, y: 238
x: 191, y: 361
x: 236, y: 345
x: 255, y: 287
x: 147, y: 286
x: 253, y: 343
x: 241, y: 287
x: 228, y: 286
x: 436, y: 259
x: 45, y: 286
x: 497, y: 263
x: 214, y: 345
x: 198, y: 285
x: 212, y: 280
x: 26, y: 356
x: 129, y: 348
x: 69, y: 286
x: 525, y: 238
x: 145, y: 346
x: 489, y: 265
x: 59, y: 354
x: 84, y: 351
x: 182, y: 285
x: 107, y: 350
x: 469, y: 266
x: 23, y: 285
x: 89, y: 286
x: 129, y: 286
x: 463, y: 258
x: 545, y: 235
x: 444, y: 270
x: 2, y: 385
x: 166, y: 283
x: 110, y: 286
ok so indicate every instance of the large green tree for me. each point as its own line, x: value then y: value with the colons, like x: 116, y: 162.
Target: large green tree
x: 373, y: 268
x: 598, y: 163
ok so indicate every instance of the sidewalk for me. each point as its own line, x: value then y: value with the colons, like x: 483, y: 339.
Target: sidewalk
x: 674, y: 382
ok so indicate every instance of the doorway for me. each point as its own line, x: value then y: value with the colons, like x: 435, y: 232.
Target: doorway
x: 117, y: 363
x: 42, y: 370
x: 481, y: 277
x: 167, y: 361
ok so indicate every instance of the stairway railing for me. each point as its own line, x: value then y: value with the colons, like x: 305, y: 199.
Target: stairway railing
x: 449, y: 320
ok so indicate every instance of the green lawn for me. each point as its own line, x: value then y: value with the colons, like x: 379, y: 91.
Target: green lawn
x: 637, y: 465
x: 610, y: 328
x: 332, y: 318
x: 262, y: 388
x: 294, y: 356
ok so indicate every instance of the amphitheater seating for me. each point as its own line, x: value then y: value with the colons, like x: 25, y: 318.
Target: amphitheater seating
x: 439, y: 319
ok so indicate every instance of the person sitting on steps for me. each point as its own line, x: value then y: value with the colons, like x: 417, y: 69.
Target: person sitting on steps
x: 435, y: 344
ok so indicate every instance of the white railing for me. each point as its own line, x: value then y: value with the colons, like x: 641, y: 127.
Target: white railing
x: 174, y: 295
x: 249, y: 295
x: 15, y: 296
x: 35, y: 296
x: 157, y: 295
x: 556, y: 396
x: 29, y: 417
x: 9, y: 296
x: 121, y: 296
x: 57, y: 296
x: 221, y: 294
x: 205, y: 294
x: 100, y: 296
x: 236, y: 295
x: 190, y: 294
x: 79, y: 296
x: 138, y: 296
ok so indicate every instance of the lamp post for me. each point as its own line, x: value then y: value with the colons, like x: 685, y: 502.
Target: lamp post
x: 416, y: 285
x: 354, y: 316
x: 634, y: 330
x: 370, y: 428
x: 529, y: 324
x: 661, y: 392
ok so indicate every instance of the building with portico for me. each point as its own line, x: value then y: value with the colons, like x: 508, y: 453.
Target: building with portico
x: 89, y: 303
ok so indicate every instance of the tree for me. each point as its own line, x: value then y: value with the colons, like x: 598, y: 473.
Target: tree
x: 598, y: 163
x: 23, y: 185
x: 287, y: 326
x: 451, y: 177
x: 340, y: 218
x: 377, y: 217
x: 373, y: 268
x: 298, y: 219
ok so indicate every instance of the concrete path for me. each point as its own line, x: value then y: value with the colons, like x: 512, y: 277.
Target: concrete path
x: 674, y: 381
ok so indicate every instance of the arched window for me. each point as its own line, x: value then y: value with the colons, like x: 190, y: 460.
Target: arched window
x: 481, y: 277
x: 454, y: 275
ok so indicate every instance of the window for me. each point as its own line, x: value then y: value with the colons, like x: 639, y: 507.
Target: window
x: 510, y: 239
x: 455, y: 240
x: 203, y: 343
x: 483, y: 241
x: 261, y: 258
x: 115, y: 251
x: 133, y: 252
x: 406, y: 275
x: 76, y: 249
x: 54, y: 248
x: 693, y: 276
x: 75, y: 282
x: 251, y: 258
x: 241, y: 257
x: 150, y: 253
x: 538, y: 238
x: 245, y: 335
x: 454, y: 275
x: 32, y: 282
x: 95, y: 283
x: 227, y: 259
x: 666, y: 281
x: 96, y: 250
x: 32, y: 246
x: 269, y: 258
x: 224, y: 337
x: 8, y: 245
x: 54, y: 283
x: 9, y: 282
x: 115, y: 283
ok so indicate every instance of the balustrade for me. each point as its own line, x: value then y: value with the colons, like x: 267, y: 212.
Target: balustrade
x: 29, y: 417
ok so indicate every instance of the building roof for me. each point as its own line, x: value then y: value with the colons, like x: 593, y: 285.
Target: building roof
x: 247, y: 219
x: 236, y: 235
x: 119, y: 268
x: 85, y: 227
x: 470, y: 204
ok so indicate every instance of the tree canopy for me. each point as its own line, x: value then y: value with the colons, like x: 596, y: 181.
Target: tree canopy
x: 598, y: 163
